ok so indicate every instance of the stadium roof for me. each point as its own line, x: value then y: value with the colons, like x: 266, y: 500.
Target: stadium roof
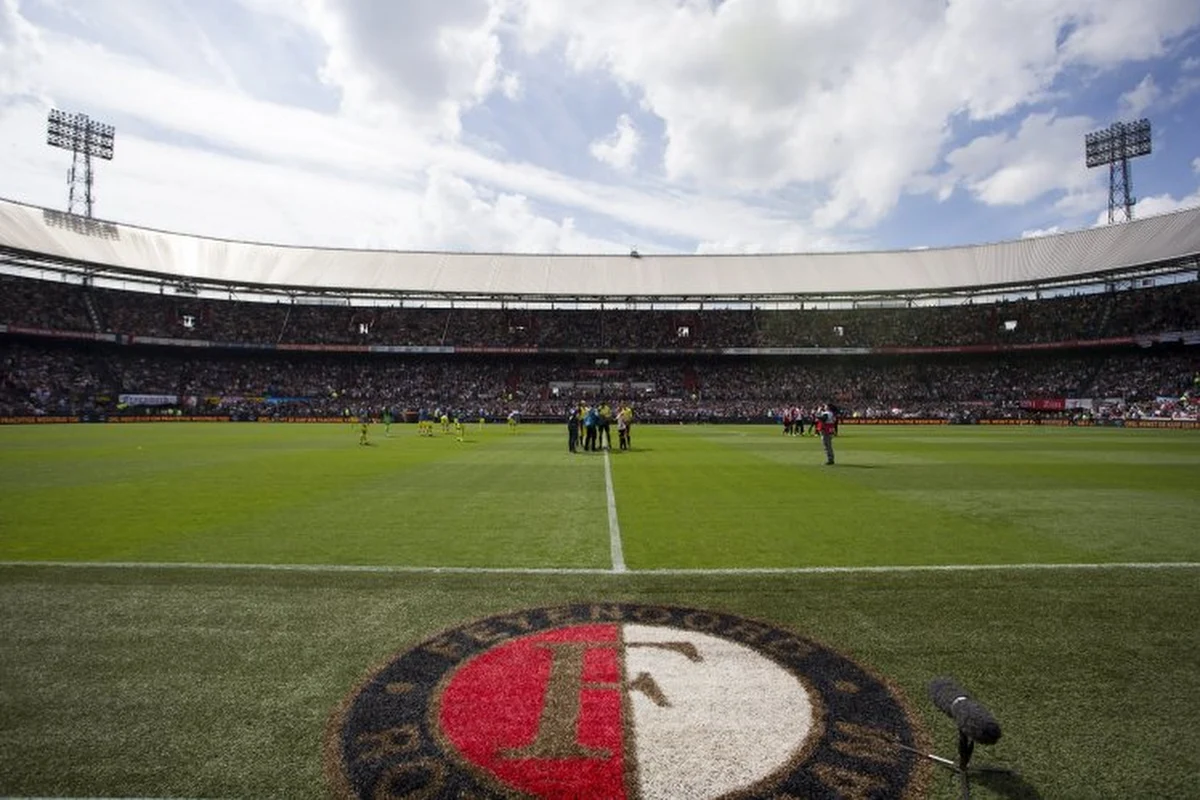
x: 51, y: 236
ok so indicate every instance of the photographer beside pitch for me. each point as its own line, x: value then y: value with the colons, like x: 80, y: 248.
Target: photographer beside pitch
x: 827, y: 427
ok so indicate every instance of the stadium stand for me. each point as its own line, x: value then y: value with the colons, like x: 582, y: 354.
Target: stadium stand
x: 1081, y: 317
x: 1110, y: 316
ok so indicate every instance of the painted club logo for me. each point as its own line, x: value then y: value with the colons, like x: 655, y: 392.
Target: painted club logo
x: 616, y: 700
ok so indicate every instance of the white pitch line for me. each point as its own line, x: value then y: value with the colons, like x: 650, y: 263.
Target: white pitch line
x: 616, y: 551
x: 698, y: 572
x: 903, y: 568
x: 358, y: 568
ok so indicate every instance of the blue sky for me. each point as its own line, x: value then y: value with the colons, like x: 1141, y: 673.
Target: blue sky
x: 599, y: 125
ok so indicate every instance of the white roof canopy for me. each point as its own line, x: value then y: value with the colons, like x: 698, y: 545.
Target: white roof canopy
x: 1060, y: 257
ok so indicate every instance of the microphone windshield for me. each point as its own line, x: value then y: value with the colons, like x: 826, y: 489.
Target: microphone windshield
x: 971, y: 717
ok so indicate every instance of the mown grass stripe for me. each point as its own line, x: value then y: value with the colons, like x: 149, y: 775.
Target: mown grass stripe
x: 383, y: 568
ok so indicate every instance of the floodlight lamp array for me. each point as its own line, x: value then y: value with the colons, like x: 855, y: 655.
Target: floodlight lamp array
x: 1119, y: 141
x: 78, y: 133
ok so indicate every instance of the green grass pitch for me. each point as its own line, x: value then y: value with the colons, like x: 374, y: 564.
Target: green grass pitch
x: 120, y: 680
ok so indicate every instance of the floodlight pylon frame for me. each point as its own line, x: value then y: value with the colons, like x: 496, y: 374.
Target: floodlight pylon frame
x: 84, y: 138
x: 1114, y: 146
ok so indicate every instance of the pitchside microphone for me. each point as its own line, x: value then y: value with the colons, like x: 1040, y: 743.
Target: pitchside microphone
x: 973, y: 720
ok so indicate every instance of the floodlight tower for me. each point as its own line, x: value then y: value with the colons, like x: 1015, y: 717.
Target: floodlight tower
x: 1114, y: 146
x: 84, y: 138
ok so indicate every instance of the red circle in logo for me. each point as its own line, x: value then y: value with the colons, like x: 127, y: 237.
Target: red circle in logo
x: 542, y: 713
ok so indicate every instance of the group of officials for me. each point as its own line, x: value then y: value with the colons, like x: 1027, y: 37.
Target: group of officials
x: 595, y: 423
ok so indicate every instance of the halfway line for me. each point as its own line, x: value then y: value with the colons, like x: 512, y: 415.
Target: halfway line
x: 614, y: 527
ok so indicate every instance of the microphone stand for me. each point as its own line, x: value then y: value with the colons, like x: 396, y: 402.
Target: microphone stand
x: 966, y: 748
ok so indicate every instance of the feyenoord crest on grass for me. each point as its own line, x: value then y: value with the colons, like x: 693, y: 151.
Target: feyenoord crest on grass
x: 615, y: 700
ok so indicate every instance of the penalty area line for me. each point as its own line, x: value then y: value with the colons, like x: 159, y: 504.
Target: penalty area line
x: 697, y: 572
x: 616, y: 551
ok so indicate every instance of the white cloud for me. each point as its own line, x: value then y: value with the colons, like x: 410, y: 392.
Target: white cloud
x: 510, y: 85
x: 425, y: 61
x: 164, y: 34
x: 1106, y: 34
x: 1183, y: 88
x: 20, y: 50
x: 1154, y: 205
x: 1147, y: 94
x: 855, y: 97
x: 620, y: 147
x: 1140, y: 97
x: 1082, y: 202
x: 1044, y: 155
x: 767, y: 239
x: 128, y: 89
x: 456, y: 215
x: 1037, y: 232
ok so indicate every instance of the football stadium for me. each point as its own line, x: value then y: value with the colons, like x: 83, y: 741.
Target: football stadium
x: 287, y: 522
x: 621, y: 400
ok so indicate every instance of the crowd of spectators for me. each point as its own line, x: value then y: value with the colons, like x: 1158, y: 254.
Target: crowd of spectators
x: 40, y: 380
x: 682, y: 382
x: 43, y: 304
x: 1132, y: 312
x: 43, y: 378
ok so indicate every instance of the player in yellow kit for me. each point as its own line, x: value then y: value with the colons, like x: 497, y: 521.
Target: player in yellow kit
x: 625, y: 427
